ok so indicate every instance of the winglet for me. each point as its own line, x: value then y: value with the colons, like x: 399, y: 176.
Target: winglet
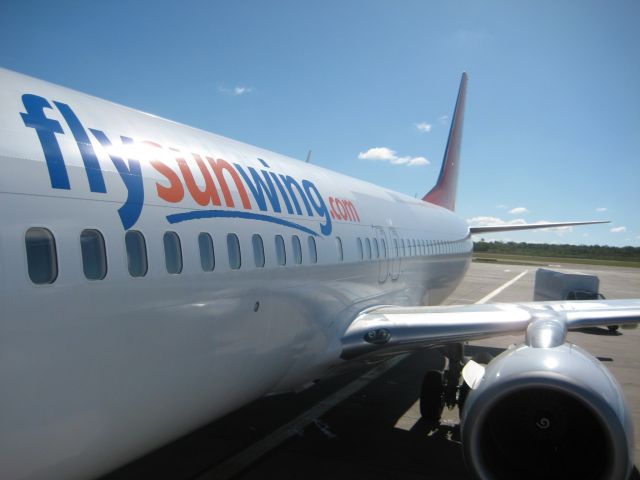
x: 444, y: 192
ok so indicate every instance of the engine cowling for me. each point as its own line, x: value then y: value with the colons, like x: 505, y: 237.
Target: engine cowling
x: 547, y: 413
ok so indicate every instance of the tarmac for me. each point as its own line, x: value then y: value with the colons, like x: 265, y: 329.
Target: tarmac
x: 367, y: 423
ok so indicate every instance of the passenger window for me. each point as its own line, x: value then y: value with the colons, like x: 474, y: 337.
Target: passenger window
x: 136, y: 253
x: 359, y: 244
x: 94, y: 257
x: 313, y: 252
x: 172, y: 252
x: 207, y: 257
x: 404, y: 252
x: 339, y: 246
x: 376, y: 250
x: 41, y: 255
x: 258, y: 250
x: 233, y: 249
x: 383, y: 247
x: 281, y: 254
x: 297, y: 249
x: 395, y: 247
x: 367, y: 248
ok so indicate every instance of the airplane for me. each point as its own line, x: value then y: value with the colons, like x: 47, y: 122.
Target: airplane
x: 156, y: 277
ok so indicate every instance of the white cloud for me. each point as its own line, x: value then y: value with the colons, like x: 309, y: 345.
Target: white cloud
x: 601, y: 209
x: 378, y: 153
x: 501, y: 206
x: 418, y: 161
x: 423, y: 127
x: 241, y: 90
x: 518, y: 210
x: 444, y: 119
x: 235, y: 91
x: 387, y: 155
x: 618, y: 229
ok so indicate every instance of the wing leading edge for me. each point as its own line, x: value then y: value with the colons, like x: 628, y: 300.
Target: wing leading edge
x: 385, y: 331
x: 527, y: 226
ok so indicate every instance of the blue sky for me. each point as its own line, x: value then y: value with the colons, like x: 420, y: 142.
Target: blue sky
x: 552, y: 127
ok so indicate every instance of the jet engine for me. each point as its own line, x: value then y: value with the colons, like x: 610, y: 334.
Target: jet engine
x: 547, y: 409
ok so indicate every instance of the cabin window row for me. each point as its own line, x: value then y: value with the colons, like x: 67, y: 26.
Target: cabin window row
x: 42, y: 258
x: 377, y: 248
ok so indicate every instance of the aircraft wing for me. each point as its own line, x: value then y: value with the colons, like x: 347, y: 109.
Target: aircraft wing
x: 526, y: 226
x: 389, y: 330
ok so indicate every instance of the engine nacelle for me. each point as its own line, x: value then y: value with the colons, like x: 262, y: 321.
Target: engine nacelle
x: 547, y: 413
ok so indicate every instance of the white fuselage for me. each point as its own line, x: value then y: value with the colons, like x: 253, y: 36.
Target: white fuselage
x: 97, y: 372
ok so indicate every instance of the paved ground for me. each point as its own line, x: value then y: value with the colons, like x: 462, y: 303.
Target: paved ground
x: 375, y: 432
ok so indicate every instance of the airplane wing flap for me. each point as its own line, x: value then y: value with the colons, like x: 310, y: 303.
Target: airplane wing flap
x: 389, y: 330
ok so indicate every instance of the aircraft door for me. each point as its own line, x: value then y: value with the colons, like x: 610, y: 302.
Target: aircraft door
x: 383, y: 253
x: 394, y: 254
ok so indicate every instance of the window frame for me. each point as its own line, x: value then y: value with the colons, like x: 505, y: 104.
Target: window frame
x: 233, y: 237
x: 257, y: 245
x: 281, y: 254
x: 313, y: 249
x: 53, y: 260
x: 213, y: 252
x: 296, y: 246
x: 103, y: 249
x: 368, y: 251
x: 144, y: 250
x: 177, y: 245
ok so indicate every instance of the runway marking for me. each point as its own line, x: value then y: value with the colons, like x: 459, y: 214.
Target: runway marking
x: 501, y: 288
x: 239, y: 462
x: 408, y: 420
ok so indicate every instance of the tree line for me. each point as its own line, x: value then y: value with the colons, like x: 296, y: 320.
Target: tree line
x: 596, y: 252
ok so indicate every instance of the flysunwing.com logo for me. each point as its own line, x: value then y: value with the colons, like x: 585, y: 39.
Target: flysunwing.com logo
x: 270, y: 192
